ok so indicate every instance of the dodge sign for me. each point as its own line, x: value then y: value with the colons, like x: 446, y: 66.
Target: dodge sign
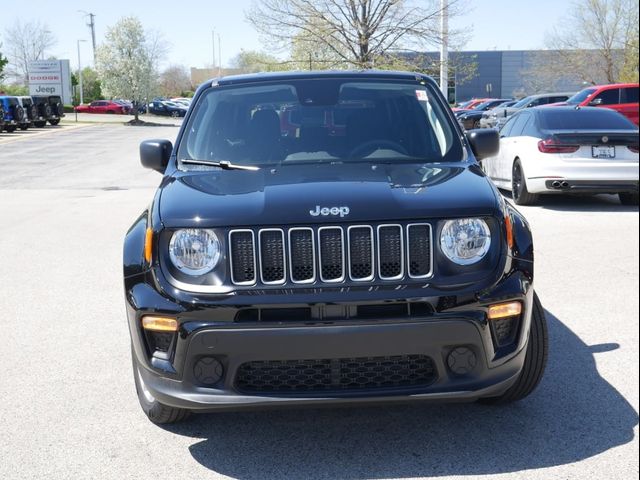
x: 50, y: 77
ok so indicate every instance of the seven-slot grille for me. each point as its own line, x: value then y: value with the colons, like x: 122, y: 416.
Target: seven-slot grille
x: 330, y: 254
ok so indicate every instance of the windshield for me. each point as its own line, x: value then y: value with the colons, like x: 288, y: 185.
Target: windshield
x: 523, y: 103
x: 320, y: 120
x: 581, y: 96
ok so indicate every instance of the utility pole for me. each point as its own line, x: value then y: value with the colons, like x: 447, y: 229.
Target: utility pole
x: 219, y: 57
x: 92, y: 27
x: 444, y: 48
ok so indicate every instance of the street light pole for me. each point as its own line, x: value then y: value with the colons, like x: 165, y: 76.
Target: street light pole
x: 444, y: 48
x: 80, y: 73
x: 219, y: 57
x: 213, y: 49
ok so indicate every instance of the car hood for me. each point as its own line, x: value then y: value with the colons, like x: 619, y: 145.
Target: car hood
x: 288, y: 195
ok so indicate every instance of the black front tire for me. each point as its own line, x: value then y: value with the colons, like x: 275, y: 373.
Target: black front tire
x: 534, y: 363
x: 157, y: 412
x: 10, y: 128
x: 24, y: 127
x: 54, y: 122
x: 519, y: 186
x: 630, y: 199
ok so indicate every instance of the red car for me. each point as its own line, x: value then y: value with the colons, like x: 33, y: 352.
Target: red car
x: 471, y: 104
x: 621, y: 97
x: 102, y: 106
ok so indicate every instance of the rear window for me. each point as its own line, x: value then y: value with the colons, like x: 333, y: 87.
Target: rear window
x: 583, y: 119
x: 327, y: 120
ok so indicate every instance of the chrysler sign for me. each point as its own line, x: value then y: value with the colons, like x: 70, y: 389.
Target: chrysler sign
x: 50, y: 77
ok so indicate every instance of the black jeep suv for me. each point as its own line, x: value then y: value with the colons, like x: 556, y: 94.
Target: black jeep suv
x: 49, y: 109
x: 327, y: 238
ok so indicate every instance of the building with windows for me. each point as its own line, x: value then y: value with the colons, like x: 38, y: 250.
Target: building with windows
x: 505, y: 74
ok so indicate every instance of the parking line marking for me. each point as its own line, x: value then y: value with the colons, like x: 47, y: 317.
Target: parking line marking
x: 20, y: 135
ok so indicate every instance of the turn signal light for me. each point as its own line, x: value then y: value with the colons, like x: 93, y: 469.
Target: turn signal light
x: 148, y: 243
x: 508, y: 225
x: 159, y: 324
x: 503, y: 310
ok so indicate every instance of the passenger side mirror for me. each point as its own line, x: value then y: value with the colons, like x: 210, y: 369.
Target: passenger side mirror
x: 154, y: 154
x: 595, y: 102
x: 485, y: 142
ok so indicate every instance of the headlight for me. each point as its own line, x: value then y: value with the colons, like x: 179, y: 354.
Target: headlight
x: 194, y: 251
x: 465, y: 241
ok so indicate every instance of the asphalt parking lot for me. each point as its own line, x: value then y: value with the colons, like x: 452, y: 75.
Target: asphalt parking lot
x: 69, y: 408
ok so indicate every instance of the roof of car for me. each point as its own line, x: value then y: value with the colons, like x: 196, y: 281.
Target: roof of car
x: 613, y: 85
x: 301, y: 75
x: 538, y: 95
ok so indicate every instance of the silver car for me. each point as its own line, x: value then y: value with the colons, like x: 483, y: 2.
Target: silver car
x: 498, y: 116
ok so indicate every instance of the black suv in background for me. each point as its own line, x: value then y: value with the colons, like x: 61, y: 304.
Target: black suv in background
x: 50, y: 109
x: 30, y: 110
x: 362, y: 256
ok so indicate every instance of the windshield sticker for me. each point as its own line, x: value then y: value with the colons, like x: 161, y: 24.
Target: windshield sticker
x: 422, y: 96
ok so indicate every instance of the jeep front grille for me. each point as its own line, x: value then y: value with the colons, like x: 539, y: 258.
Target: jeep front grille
x: 331, y: 254
x: 336, y: 375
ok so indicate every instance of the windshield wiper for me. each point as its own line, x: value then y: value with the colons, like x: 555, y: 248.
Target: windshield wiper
x: 223, y: 164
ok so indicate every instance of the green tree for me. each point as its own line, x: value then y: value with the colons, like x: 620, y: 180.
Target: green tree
x: 91, y: 85
x: 252, y: 61
x: 128, y: 61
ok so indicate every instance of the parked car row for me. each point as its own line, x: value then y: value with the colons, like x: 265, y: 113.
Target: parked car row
x: 554, y: 143
x: 158, y: 106
x: 621, y: 97
x: 24, y: 112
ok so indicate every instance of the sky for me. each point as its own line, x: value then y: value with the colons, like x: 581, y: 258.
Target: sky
x: 187, y: 27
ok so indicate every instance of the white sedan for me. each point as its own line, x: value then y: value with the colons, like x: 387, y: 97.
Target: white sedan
x: 566, y: 150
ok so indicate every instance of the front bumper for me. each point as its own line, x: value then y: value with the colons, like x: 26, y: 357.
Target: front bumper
x: 205, y: 331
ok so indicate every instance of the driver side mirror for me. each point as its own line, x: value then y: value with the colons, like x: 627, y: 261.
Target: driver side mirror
x: 154, y: 154
x: 485, y: 142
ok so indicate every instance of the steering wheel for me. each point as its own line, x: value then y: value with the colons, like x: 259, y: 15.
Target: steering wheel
x: 367, y: 148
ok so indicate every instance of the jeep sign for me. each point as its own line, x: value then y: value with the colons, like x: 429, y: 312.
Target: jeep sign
x: 50, y: 77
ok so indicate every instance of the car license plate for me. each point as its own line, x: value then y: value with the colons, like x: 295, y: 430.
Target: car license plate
x: 603, y: 151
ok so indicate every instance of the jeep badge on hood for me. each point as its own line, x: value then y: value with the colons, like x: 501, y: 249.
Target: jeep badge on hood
x: 326, y: 211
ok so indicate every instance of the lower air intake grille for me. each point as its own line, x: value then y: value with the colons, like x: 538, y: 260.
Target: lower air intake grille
x: 339, y: 375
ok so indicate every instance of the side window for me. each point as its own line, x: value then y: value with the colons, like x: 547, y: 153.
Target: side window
x: 520, y: 123
x: 609, y: 97
x: 629, y: 95
x: 505, y: 131
x: 557, y: 99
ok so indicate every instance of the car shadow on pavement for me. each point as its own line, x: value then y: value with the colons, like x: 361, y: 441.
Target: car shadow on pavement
x: 574, y: 414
